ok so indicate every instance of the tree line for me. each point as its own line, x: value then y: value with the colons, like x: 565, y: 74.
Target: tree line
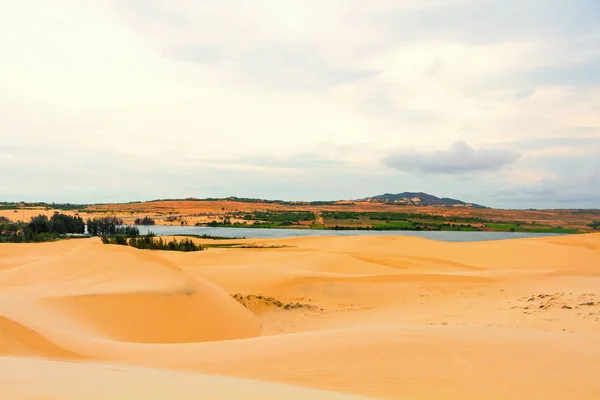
x: 40, y: 228
x: 110, y: 226
x: 59, y: 223
x: 54, y: 206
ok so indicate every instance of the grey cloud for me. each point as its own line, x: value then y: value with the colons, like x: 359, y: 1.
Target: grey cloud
x: 202, y: 54
x: 579, y: 75
x: 292, y: 64
x: 294, y: 161
x: 484, y: 21
x: 194, y: 37
x: 575, y: 139
x: 276, y: 64
x: 564, y: 190
x: 569, y: 191
x: 460, y: 158
x: 302, y: 160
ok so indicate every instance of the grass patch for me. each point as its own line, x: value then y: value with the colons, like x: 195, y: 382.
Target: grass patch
x: 243, y: 246
x: 532, y: 229
x: 253, y: 302
x: 263, y: 246
x: 281, y: 218
x: 397, y: 216
x: 209, y: 237
x: 400, y: 225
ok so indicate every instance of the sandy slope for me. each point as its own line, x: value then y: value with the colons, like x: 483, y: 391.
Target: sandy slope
x: 92, y: 381
x: 384, y: 317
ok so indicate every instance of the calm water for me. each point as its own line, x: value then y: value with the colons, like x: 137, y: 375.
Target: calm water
x: 282, y: 233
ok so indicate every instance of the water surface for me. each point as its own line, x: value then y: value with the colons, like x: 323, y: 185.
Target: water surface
x: 445, y: 236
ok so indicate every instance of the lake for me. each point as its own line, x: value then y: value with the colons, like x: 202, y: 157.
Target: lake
x: 255, y: 233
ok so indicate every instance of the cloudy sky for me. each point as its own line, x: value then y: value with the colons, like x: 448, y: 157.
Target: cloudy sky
x: 494, y: 102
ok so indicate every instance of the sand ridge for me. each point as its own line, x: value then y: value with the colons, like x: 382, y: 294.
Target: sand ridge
x: 381, y: 317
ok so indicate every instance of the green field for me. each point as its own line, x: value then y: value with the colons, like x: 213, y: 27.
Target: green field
x: 381, y: 221
x: 499, y: 227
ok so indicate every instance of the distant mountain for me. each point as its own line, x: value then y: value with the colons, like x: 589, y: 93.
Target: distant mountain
x: 418, y: 199
x: 405, y: 198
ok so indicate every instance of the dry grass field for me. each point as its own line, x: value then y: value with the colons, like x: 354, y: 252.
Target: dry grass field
x: 191, y: 212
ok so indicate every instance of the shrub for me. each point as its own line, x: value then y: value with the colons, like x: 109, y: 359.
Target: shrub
x: 149, y: 242
x: 144, y: 221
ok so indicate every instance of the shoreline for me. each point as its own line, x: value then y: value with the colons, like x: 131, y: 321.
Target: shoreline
x: 280, y: 233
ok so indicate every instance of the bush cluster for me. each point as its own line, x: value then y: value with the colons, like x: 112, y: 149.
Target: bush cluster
x: 110, y: 226
x: 58, y: 223
x: 144, y: 221
x: 150, y: 242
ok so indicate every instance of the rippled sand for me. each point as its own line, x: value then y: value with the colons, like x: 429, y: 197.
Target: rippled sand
x: 324, y: 318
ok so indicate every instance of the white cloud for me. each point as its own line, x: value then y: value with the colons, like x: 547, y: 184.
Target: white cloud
x: 271, y: 80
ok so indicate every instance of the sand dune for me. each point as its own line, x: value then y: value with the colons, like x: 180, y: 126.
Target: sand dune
x: 127, y: 295
x: 92, y: 381
x: 201, y: 315
x: 385, y: 317
x: 417, y: 362
x: 17, y: 339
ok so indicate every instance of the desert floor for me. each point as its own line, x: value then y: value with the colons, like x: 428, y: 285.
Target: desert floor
x: 324, y: 318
